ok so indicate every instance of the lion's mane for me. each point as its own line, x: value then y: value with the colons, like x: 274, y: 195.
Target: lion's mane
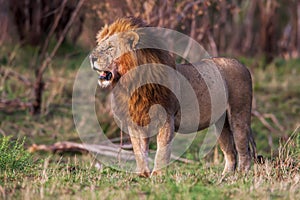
x: 147, y: 95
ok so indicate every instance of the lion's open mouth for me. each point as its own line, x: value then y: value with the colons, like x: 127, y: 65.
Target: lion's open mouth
x: 105, y: 75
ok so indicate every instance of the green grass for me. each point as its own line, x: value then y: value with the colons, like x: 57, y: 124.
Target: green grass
x: 76, y: 177
x: 44, y: 175
x: 13, y: 156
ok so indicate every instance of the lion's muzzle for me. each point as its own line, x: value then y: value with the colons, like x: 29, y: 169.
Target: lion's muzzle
x: 105, y: 74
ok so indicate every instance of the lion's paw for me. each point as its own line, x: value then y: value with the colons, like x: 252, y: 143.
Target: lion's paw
x: 144, y: 174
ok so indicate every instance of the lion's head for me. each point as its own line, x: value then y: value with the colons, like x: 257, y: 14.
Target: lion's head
x: 116, y: 52
x: 105, y: 58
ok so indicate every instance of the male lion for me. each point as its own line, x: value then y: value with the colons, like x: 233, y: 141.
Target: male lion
x: 117, y: 54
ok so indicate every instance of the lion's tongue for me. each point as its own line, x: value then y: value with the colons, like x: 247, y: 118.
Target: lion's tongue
x: 105, y: 75
x: 102, y: 75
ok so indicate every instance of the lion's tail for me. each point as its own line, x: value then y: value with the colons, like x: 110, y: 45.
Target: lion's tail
x: 252, y: 146
x: 257, y: 158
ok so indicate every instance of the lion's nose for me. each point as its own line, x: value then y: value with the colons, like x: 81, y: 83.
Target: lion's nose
x: 93, y: 61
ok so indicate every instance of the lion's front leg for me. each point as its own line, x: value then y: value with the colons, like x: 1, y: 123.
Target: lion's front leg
x: 164, y: 140
x: 140, y: 146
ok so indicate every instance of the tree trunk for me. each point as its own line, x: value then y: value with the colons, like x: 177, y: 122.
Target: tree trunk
x: 267, y: 29
x: 6, y: 31
x: 249, y: 26
x: 298, y: 28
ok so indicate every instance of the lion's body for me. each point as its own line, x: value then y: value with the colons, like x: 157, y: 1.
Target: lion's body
x: 236, y: 79
x: 236, y: 136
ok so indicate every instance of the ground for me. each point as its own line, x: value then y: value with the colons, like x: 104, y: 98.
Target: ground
x: 276, y: 90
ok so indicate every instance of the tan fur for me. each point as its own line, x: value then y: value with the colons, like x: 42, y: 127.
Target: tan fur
x: 236, y: 134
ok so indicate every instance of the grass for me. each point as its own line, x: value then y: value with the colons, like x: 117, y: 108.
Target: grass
x: 49, y: 176
x: 14, y: 156
x: 66, y: 177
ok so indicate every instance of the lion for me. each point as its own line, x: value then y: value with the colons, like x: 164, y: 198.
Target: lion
x: 117, y: 53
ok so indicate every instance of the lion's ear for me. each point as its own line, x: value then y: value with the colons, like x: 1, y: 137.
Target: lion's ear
x: 131, y: 38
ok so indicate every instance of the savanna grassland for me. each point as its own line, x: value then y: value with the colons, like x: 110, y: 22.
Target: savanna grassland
x: 37, y: 175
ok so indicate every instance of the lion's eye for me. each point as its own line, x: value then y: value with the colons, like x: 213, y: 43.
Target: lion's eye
x: 109, y: 48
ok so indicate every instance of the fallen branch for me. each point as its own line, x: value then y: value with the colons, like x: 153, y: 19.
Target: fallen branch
x: 112, y: 151
x: 15, y: 104
x: 59, y: 147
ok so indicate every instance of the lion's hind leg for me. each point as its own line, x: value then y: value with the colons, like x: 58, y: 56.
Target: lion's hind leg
x: 240, y: 125
x: 227, y: 145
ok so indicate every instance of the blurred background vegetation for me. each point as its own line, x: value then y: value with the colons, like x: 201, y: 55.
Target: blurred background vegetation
x: 43, y: 43
x: 239, y: 27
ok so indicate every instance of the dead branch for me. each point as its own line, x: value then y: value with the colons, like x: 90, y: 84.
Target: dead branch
x: 8, y: 72
x: 263, y: 120
x: 2, y: 132
x: 104, y: 150
x: 274, y: 120
x: 56, y: 21
x: 188, y: 6
x: 184, y: 160
x: 59, y: 147
x: 213, y: 45
x: 15, y: 104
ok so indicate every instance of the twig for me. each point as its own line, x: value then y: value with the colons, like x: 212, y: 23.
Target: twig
x: 61, y: 38
x: 274, y: 120
x: 192, y: 35
x: 262, y: 117
x: 2, y: 132
x: 3, y: 192
x: 187, y: 7
x: 292, y: 137
x: 264, y: 121
x: 184, y: 160
x: 54, y: 26
x: 8, y: 72
x: 212, y: 43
